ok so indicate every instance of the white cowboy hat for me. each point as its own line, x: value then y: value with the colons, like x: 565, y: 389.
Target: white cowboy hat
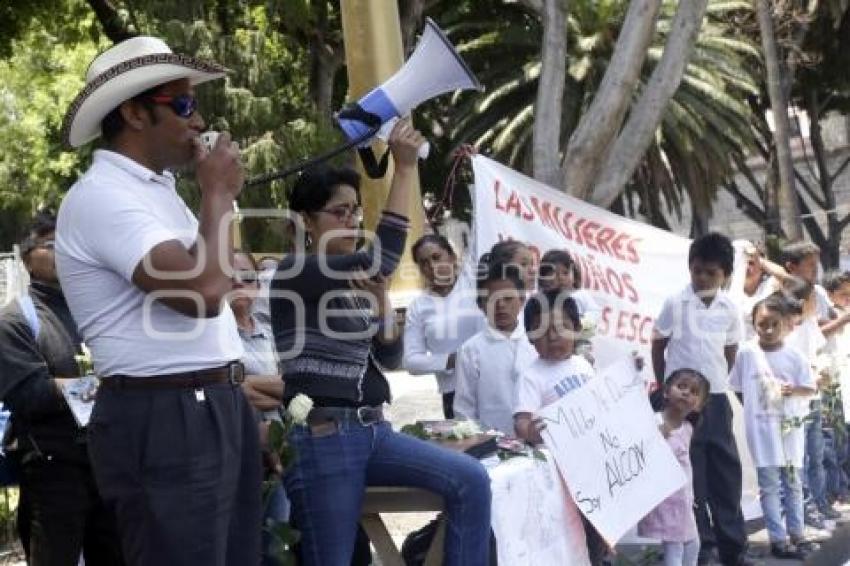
x: 120, y: 73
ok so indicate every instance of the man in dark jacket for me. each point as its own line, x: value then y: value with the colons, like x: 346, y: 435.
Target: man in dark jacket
x: 60, y: 512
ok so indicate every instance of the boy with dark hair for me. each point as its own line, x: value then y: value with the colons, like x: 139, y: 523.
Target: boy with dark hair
x: 489, y: 364
x: 801, y: 259
x: 700, y: 328
x: 837, y: 287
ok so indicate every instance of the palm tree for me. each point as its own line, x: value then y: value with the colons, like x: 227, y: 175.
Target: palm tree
x: 707, y: 120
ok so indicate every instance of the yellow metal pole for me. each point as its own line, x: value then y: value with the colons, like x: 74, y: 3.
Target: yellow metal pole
x: 373, y: 53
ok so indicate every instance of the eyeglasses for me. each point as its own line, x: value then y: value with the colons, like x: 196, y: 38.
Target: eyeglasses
x: 344, y: 213
x: 46, y: 244
x: 184, y: 105
x: 245, y: 277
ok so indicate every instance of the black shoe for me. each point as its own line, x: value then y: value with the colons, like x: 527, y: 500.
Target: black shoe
x: 707, y: 555
x: 745, y: 560
x: 829, y: 513
x: 805, y: 546
x: 786, y: 551
x: 814, y: 520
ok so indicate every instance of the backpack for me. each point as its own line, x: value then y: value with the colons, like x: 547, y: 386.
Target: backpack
x: 416, y: 544
x: 415, y: 547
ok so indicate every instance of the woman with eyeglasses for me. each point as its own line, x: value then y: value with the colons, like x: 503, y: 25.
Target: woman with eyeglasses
x: 334, y: 329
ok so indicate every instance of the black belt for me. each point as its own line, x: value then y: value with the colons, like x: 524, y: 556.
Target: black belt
x: 233, y: 373
x: 364, y: 415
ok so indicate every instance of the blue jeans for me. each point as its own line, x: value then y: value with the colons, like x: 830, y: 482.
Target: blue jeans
x: 814, y: 480
x: 834, y: 460
x: 780, y: 488
x: 332, y: 469
x: 277, y: 509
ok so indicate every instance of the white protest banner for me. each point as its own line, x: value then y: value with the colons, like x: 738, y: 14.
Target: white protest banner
x: 629, y: 268
x: 606, y: 442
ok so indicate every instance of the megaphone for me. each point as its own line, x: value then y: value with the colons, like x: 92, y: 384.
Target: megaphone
x: 434, y: 68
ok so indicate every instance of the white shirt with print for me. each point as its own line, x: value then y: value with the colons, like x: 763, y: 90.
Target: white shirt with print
x: 545, y: 381
x: 771, y: 420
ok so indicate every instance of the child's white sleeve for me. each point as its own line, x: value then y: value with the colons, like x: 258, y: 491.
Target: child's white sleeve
x: 664, y: 321
x: 467, y: 373
x: 804, y: 377
x: 736, y: 329
x: 528, y: 396
x: 736, y: 379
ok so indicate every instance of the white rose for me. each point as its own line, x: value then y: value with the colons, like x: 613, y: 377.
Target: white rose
x: 465, y: 429
x: 299, y: 408
x: 588, y: 328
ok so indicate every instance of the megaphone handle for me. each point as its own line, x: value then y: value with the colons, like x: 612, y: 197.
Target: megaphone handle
x: 387, y: 128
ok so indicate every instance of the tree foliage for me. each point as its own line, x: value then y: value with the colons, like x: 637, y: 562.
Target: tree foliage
x: 39, y: 78
x: 707, y: 118
x: 266, y: 101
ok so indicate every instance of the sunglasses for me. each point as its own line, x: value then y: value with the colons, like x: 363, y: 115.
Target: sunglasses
x: 245, y: 277
x: 343, y: 213
x: 184, y: 105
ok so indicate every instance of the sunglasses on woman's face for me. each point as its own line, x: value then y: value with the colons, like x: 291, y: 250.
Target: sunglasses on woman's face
x: 184, y: 105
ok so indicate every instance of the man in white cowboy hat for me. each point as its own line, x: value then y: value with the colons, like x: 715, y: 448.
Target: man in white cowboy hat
x: 172, y: 439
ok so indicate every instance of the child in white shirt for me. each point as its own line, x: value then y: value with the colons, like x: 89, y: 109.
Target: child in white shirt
x: 699, y: 328
x: 551, y: 321
x: 489, y: 364
x: 774, y: 378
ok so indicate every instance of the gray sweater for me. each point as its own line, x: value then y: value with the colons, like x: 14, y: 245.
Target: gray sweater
x: 325, y: 346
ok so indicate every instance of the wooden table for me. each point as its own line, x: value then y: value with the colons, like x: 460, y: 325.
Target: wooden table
x: 399, y: 500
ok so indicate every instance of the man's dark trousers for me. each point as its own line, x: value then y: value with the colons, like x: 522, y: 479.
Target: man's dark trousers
x: 717, y: 482
x: 65, y: 515
x: 182, y: 469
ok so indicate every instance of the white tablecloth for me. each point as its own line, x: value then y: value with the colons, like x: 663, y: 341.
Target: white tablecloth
x: 535, y: 522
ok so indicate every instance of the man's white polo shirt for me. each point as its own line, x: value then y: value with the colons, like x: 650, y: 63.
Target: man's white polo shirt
x: 109, y: 220
x: 698, y: 334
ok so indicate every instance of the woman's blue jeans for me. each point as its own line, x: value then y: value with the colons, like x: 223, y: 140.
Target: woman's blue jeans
x: 327, y: 482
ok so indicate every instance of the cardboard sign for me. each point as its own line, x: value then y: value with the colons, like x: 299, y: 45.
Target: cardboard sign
x: 608, y: 448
